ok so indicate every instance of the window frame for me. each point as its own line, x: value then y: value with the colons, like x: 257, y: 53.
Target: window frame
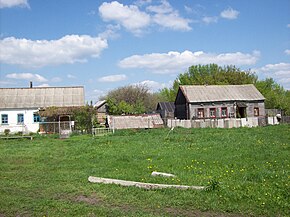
x: 200, y: 111
x: 6, y: 122
x: 20, y: 122
x: 256, y: 112
x: 210, y: 110
x: 36, y: 118
x: 226, y: 111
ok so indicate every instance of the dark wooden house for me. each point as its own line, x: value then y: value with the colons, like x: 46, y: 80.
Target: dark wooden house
x: 218, y: 101
x: 166, y: 109
x: 102, y: 110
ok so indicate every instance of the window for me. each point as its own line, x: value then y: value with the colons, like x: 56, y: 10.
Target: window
x: 256, y: 111
x: 4, y: 119
x: 200, y: 113
x: 224, y: 112
x: 212, y: 112
x: 36, y: 118
x: 20, y: 118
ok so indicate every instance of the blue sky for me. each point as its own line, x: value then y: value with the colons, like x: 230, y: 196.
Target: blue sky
x: 103, y: 45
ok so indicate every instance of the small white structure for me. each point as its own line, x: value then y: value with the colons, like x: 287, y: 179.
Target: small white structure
x: 19, y: 107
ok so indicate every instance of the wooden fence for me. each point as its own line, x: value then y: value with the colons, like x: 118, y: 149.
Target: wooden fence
x: 223, y: 123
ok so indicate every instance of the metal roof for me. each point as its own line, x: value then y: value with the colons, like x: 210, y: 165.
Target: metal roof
x: 167, y: 106
x: 217, y: 93
x: 100, y: 103
x: 38, y: 97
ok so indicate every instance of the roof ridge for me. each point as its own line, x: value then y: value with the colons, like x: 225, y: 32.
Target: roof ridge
x: 40, y: 87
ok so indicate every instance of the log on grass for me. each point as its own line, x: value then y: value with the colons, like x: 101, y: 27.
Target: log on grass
x: 141, y: 184
x: 154, y: 173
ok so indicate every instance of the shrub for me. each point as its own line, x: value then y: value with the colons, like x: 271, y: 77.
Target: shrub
x: 6, y: 132
x: 19, y: 133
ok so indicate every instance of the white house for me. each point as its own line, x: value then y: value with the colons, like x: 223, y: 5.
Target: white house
x: 19, y: 107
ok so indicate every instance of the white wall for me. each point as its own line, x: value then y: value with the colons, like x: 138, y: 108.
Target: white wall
x: 13, y: 126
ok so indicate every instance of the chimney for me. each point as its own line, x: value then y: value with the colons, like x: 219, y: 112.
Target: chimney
x: 30, y: 84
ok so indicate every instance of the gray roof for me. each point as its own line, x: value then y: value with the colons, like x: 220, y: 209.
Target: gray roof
x: 39, y: 97
x: 100, y: 103
x: 167, y: 106
x: 217, y: 93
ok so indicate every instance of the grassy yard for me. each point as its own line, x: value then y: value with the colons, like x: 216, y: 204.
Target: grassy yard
x: 249, y: 166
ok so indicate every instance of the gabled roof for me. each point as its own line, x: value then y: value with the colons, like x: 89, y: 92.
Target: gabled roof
x: 167, y: 106
x: 100, y: 103
x: 217, y: 93
x: 39, y: 97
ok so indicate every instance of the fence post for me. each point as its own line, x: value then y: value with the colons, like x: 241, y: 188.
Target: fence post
x: 113, y: 125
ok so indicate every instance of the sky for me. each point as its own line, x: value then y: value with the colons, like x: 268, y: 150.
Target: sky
x: 103, y: 45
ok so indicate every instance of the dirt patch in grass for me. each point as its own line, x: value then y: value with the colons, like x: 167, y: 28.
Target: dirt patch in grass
x: 92, y: 200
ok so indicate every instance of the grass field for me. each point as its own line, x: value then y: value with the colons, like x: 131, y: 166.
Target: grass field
x: 247, y: 171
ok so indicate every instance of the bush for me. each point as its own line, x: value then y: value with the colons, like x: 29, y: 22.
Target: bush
x: 19, y: 133
x: 6, y: 132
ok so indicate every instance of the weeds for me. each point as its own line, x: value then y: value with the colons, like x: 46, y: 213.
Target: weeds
x: 212, y: 185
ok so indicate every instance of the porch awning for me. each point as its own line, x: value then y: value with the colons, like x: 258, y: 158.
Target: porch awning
x: 241, y: 104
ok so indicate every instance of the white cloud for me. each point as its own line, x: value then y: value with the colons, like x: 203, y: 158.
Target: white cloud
x: 27, y: 76
x: 129, y: 17
x: 96, y: 94
x: 110, y: 32
x: 287, y: 52
x: 288, y: 25
x: 165, y: 16
x: 154, y: 85
x: 141, y: 3
x: 275, y: 67
x: 39, y: 53
x: 164, y: 8
x: 230, y: 14
x: 280, y: 72
x: 113, y: 78
x: 172, y: 21
x: 13, y: 3
x: 209, y: 20
x: 173, y: 62
x: 136, y: 21
x: 188, y: 9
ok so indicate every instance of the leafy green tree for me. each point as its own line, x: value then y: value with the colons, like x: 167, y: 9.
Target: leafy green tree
x: 132, y: 99
x: 210, y: 74
x: 276, y: 96
x: 85, y: 118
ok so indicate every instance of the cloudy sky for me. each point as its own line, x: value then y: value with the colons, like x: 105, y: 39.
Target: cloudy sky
x: 107, y: 44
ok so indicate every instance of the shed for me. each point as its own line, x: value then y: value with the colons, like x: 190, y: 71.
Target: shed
x: 166, y: 109
x: 219, y: 101
x: 102, y: 110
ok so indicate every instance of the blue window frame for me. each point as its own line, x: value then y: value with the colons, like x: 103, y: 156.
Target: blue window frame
x: 20, y: 118
x: 36, y: 118
x: 4, y: 119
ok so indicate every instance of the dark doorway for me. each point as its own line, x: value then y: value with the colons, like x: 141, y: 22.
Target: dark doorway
x: 241, y: 112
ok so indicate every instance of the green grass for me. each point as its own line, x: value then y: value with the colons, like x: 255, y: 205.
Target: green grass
x: 48, y: 176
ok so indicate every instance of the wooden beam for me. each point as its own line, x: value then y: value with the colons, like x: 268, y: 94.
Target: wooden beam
x: 148, y: 186
x: 17, y: 137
